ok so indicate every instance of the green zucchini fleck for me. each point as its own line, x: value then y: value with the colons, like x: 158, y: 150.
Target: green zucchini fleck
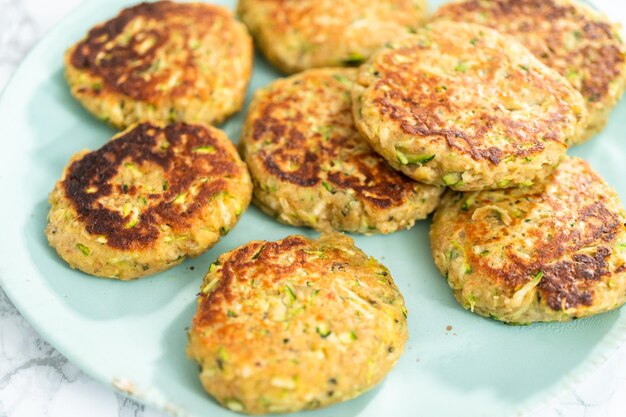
x: 319, y: 253
x: 326, y: 131
x: 290, y: 293
x: 323, y: 330
x: 132, y: 223
x: 342, y: 79
x: 171, y: 116
x: 222, y: 353
x: 204, y: 149
x: 472, y: 302
x: 452, y: 178
x: 406, y: 159
x: 210, y: 286
x: 329, y: 187
x: 461, y: 67
x: 469, y: 202
x: 84, y: 249
x: 180, y: 198
x: 354, y: 59
x: 256, y: 255
x: 234, y: 404
x: 503, y: 183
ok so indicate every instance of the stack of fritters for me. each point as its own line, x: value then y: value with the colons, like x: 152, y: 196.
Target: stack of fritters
x: 311, y: 166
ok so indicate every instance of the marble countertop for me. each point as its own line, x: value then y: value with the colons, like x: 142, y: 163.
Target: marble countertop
x: 36, y: 380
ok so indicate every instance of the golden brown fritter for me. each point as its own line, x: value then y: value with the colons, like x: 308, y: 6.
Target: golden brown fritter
x: 553, y: 252
x: 296, y: 324
x: 148, y: 198
x: 311, y: 166
x: 568, y: 36
x: 300, y: 34
x: 162, y: 61
x: 461, y: 105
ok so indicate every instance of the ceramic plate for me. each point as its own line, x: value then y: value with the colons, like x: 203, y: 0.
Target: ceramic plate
x: 131, y: 335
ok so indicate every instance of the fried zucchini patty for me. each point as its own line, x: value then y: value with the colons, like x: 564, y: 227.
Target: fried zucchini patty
x: 147, y: 199
x: 463, y: 106
x: 296, y: 324
x: 162, y: 61
x: 554, y: 252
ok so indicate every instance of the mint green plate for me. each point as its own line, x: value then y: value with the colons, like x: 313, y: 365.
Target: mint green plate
x: 132, y: 335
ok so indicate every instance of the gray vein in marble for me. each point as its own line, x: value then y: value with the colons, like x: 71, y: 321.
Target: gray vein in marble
x: 56, y: 362
x: 18, y: 32
x: 128, y: 407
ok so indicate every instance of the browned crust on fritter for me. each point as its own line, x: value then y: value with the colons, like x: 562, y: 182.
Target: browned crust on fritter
x: 568, y: 280
x: 259, y: 256
x: 269, y: 263
x: 566, y: 35
x: 420, y: 101
x: 575, y: 214
x: 170, y: 148
x: 285, y: 137
x: 123, y: 68
x: 537, y: 24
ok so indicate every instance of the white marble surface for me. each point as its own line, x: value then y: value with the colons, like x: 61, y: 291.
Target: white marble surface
x: 36, y: 380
